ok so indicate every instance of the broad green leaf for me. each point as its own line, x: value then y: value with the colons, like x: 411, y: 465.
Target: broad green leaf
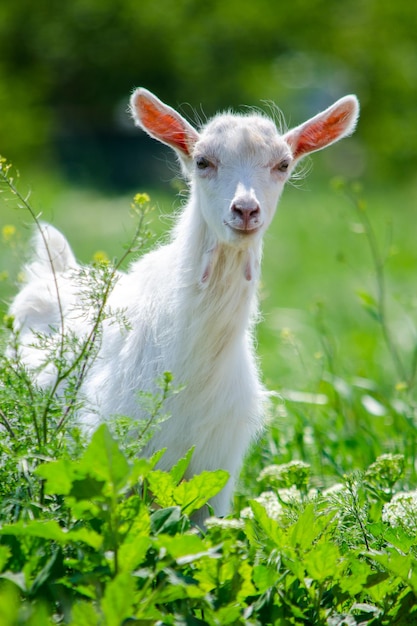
x: 132, y: 554
x: 268, y: 525
x: 178, y: 471
x: 9, y: 604
x: 59, y: 476
x: 191, y: 495
x: 180, y: 587
x: 84, y: 614
x: 89, y: 537
x: 360, y: 571
x: 162, y: 486
x: 104, y: 460
x: 399, y: 538
x: 118, y: 600
x: 309, y: 527
x: 141, y: 468
x: 264, y: 577
x: 247, y: 588
x: 403, y: 566
x: 229, y: 615
x: 166, y: 520
x: 87, y: 488
x: 304, y: 531
x: 184, y: 548
x: 51, y: 531
x: 323, y: 561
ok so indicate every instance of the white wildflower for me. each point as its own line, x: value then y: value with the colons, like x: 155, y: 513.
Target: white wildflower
x: 218, y: 522
x: 246, y: 513
x: 289, y: 495
x: 402, y: 511
x: 293, y: 473
x: 334, y: 490
x: 271, y: 504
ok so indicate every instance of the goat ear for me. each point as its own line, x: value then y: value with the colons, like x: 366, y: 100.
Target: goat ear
x: 320, y: 131
x: 162, y: 122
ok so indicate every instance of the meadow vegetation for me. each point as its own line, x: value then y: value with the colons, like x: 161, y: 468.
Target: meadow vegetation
x: 324, y: 525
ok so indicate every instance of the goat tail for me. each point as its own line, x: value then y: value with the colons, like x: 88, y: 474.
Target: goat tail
x: 52, y: 254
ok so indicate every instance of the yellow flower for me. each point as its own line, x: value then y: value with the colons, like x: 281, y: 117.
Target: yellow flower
x: 141, y: 198
x: 8, y: 232
x: 100, y: 258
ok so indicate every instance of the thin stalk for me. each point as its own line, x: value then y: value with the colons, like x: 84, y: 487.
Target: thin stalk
x: 7, y: 424
x: 379, y: 265
x: 84, y: 356
x: 4, y: 175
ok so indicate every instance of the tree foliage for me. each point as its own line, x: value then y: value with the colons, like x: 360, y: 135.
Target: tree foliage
x: 68, y: 68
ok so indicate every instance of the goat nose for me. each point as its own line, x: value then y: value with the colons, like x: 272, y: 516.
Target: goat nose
x: 246, y: 214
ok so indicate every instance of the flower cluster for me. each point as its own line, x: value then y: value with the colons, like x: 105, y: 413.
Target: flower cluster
x: 225, y: 523
x: 402, y: 511
x: 271, y: 504
x: 386, y: 470
x: 295, y: 473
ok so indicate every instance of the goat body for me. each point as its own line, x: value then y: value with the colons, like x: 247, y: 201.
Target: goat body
x: 190, y: 304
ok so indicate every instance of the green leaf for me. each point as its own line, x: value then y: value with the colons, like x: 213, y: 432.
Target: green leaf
x: 51, y: 531
x: 84, y: 614
x: 162, y: 486
x: 104, y: 460
x: 184, y: 549
x: 403, y: 566
x: 323, y: 561
x: 9, y: 604
x: 87, y: 488
x: 268, y: 525
x: 117, y: 603
x: 166, y: 520
x: 133, y: 553
x: 5, y: 553
x: 87, y: 536
x: 59, y: 476
x: 309, y: 527
x: 264, y: 577
x: 178, y: 471
x: 190, y: 495
x: 193, y: 494
x: 304, y: 530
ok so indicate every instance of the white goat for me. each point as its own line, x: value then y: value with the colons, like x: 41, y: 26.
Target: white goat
x: 190, y: 304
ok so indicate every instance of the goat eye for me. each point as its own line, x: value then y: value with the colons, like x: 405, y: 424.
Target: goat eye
x: 202, y: 163
x: 282, y: 166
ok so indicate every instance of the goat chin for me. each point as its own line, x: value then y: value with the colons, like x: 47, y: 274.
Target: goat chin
x: 190, y: 306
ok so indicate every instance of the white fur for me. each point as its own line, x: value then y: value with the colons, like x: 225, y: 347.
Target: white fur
x: 191, y: 304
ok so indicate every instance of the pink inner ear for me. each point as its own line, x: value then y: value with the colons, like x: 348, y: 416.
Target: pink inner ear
x: 163, y: 125
x: 322, y: 132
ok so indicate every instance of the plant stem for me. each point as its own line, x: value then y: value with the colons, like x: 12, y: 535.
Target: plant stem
x: 379, y: 264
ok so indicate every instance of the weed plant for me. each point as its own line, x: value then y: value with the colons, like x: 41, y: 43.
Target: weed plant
x: 324, y: 529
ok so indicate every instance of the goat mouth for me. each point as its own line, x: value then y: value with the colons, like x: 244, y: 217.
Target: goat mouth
x: 244, y: 230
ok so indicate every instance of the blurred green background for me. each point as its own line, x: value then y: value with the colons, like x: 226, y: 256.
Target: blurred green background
x: 67, y: 69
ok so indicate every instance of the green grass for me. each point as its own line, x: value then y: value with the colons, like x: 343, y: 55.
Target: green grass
x: 79, y: 541
x: 314, y: 255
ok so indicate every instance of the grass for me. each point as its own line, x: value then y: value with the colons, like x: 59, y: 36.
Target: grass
x: 315, y: 254
x: 337, y: 345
